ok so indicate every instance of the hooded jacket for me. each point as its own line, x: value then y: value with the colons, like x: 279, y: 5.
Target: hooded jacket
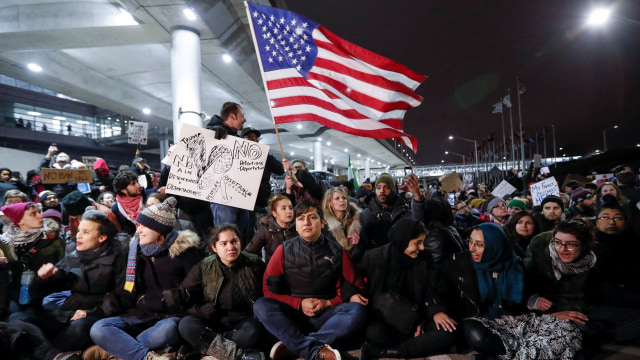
x: 98, y: 180
x: 270, y: 235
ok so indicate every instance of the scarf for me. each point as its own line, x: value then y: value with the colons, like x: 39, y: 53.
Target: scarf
x: 130, y: 208
x: 21, y: 241
x: 499, y: 273
x: 88, y: 256
x: 147, y: 250
x: 578, y: 266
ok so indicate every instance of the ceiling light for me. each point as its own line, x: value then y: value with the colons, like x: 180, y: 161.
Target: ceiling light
x: 126, y: 18
x: 346, y: 150
x: 33, y: 113
x: 82, y: 122
x: 60, y: 118
x: 299, y: 126
x: 117, y: 128
x: 147, y: 111
x: 189, y: 14
x: 319, y: 139
x: 292, y: 153
x: 328, y: 143
x: 358, y: 155
x: 34, y: 67
x: 227, y: 58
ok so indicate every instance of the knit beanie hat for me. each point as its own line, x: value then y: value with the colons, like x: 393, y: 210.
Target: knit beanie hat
x: 92, y: 211
x: 15, y: 212
x: 52, y: 214
x: 387, y: 179
x: 75, y: 203
x: 579, y: 195
x: 518, y: 204
x: 44, y: 194
x: 553, y: 198
x: 159, y: 217
x: 362, y: 191
x: 493, y: 202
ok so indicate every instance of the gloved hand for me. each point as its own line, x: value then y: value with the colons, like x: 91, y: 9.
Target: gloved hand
x: 174, y: 299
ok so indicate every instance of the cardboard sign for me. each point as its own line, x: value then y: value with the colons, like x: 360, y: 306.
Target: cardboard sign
x: 542, y: 189
x: 226, y: 171
x: 450, y: 182
x: 602, y: 178
x: 503, y: 189
x: 89, y: 160
x: 138, y: 132
x: 62, y: 176
x: 537, y: 160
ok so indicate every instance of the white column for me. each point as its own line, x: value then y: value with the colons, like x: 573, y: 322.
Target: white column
x: 367, y: 169
x: 163, y: 142
x: 317, y: 156
x: 185, y: 78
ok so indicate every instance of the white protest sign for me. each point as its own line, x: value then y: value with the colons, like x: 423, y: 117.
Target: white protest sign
x: 226, y: 171
x: 601, y: 178
x: 537, y: 160
x: 503, y: 189
x: 138, y: 132
x: 544, y: 170
x: 542, y: 189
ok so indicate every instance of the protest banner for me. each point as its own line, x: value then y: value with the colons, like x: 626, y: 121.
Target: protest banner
x: 537, y: 160
x: 226, y: 171
x: 545, y: 170
x: 450, y: 182
x: 89, y: 160
x: 542, y: 189
x: 601, y: 178
x: 62, y: 176
x: 138, y: 132
x: 503, y: 189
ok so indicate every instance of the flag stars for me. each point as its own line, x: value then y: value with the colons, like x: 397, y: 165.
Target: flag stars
x: 288, y: 28
x: 255, y: 14
x: 290, y: 54
x: 305, y: 25
x: 305, y: 37
x: 280, y: 58
x: 272, y: 41
x: 308, y: 48
x: 299, y: 52
x: 286, y: 48
x: 270, y: 59
x: 267, y: 48
x: 264, y: 28
x: 273, y: 53
x: 259, y: 21
x: 299, y: 31
x: 282, y: 20
x: 298, y: 67
x: 294, y: 61
x: 272, y: 18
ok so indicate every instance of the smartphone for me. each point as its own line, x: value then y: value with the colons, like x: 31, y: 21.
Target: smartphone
x: 408, y: 171
x: 452, y: 199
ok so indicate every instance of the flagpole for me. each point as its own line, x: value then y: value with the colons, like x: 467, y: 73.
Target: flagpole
x: 555, y: 162
x: 255, y: 45
x: 544, y: 142
x: 513, y: 154
x: 520, y: 119
x: 504, y: 139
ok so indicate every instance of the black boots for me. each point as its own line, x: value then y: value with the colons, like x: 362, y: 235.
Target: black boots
x: 369, y: 351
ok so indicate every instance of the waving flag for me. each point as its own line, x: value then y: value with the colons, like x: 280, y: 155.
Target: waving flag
x: 497, y: 108
x: 310, y: 74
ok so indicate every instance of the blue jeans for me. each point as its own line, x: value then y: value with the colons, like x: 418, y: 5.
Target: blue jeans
x: 229, y: 214
x: 110, y: 335
x: 335, y: 323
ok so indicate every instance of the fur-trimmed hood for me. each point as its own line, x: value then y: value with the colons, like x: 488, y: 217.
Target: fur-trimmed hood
x: 186, y: 239
x: 338, y: 231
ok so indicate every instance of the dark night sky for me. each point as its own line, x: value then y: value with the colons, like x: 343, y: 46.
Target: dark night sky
x: 582, y: 79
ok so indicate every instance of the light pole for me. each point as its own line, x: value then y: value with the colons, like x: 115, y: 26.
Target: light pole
x: 604, y: 135
x: 454, y: 153
x: 475, y: 147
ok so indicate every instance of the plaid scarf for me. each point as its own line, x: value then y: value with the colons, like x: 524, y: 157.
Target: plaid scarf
x: 576, y: 267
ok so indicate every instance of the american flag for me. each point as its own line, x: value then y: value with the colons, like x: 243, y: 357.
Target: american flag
x: 313, y: 75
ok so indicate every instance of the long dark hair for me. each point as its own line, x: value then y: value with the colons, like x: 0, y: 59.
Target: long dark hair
x: 438, y: 209
x: 510, y: 228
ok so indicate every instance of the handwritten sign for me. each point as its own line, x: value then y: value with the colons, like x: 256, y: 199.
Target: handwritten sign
x: 503, y: 190
x: 542, y: 189
x: 450, y: 182
x: 89, y: 161
x: 62, y: 176
x: 601, y: 178
x: 226, y: 171
x: 138, y: 132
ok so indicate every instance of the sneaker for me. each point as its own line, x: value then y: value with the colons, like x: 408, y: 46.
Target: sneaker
x: 328, y: 353
x: 279, y: 351
x: 152, y: 355
x: 95, y: 352
x: 68, y: 355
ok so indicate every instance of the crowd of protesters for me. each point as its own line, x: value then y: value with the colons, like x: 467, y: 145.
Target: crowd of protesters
x: 125, y: 271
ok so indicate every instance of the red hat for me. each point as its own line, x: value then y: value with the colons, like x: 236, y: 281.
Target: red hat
x: 15, y: 212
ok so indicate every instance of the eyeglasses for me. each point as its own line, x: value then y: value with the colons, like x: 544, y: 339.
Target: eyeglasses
x: 615, y: 219
x: 571, y: 246
x: 501, y: 205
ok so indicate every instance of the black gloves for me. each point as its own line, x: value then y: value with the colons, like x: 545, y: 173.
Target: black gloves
x: 221, y: 132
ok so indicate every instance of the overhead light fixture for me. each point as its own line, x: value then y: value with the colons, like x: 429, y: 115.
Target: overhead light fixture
x: 227, y: 58
x: 34, y: 67
x: 146, y: 111
x: 292, y: 153
x: 346, y: 150
x: 126, y: 18
x: 33, y: 113
x: 60, y: 118
x: 319, y: 139
x: 328, y: 143
x: 189, y: 14
x: 82, y: 122
x: 299, y: 126
x: 118, y: 128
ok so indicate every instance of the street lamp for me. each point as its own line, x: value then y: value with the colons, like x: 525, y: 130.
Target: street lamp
x: 604, y: 135
x: 598, y: 16
x: 475, y: 147
x: 454, y: 153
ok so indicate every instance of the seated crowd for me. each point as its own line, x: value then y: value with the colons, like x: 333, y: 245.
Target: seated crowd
x: 136, y: 275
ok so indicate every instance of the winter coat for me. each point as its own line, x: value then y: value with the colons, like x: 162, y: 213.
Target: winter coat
x: 89, y: 284
x: 441, y: 242
x: 98, y: 180
x: 338, y: 230
x: 206, y: 282
x: 164, y: 271
x: 376, y: 222
x: 270, y: 235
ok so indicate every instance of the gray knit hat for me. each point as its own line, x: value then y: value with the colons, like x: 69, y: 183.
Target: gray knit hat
x: 159, y: 217
x: 495, y: 201
x: 387, y: 179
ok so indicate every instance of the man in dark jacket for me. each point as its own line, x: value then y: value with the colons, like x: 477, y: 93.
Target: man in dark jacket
x: 301, y: 285
x: 230, y: 121
x: 383, y: 208
x: 102, y: 178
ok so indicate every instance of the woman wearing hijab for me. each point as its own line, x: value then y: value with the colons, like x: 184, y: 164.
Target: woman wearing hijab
x: 401, y: 324
x: 486, y: 287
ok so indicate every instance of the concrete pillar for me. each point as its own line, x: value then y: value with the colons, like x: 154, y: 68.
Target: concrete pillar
x: 163, y: 142
x: 185, y: 78
x: 317, y: 156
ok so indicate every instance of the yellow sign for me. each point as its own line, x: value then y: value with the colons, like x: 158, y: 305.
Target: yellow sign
x: 62, y: 176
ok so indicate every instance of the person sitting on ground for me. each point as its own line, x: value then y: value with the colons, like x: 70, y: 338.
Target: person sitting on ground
x: 520, y: 229
x: 130, y: 200
x: 442, y: 238
x: 516, y: 205
x: 159, y: 259
x: 464, y: 220
x: 223, y: 289
x: 274, y: 229
x: 64, y: 331
x: 552, y: 212
x: 401, y: 323
x: 343, y: 218
x: 310, y: 284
